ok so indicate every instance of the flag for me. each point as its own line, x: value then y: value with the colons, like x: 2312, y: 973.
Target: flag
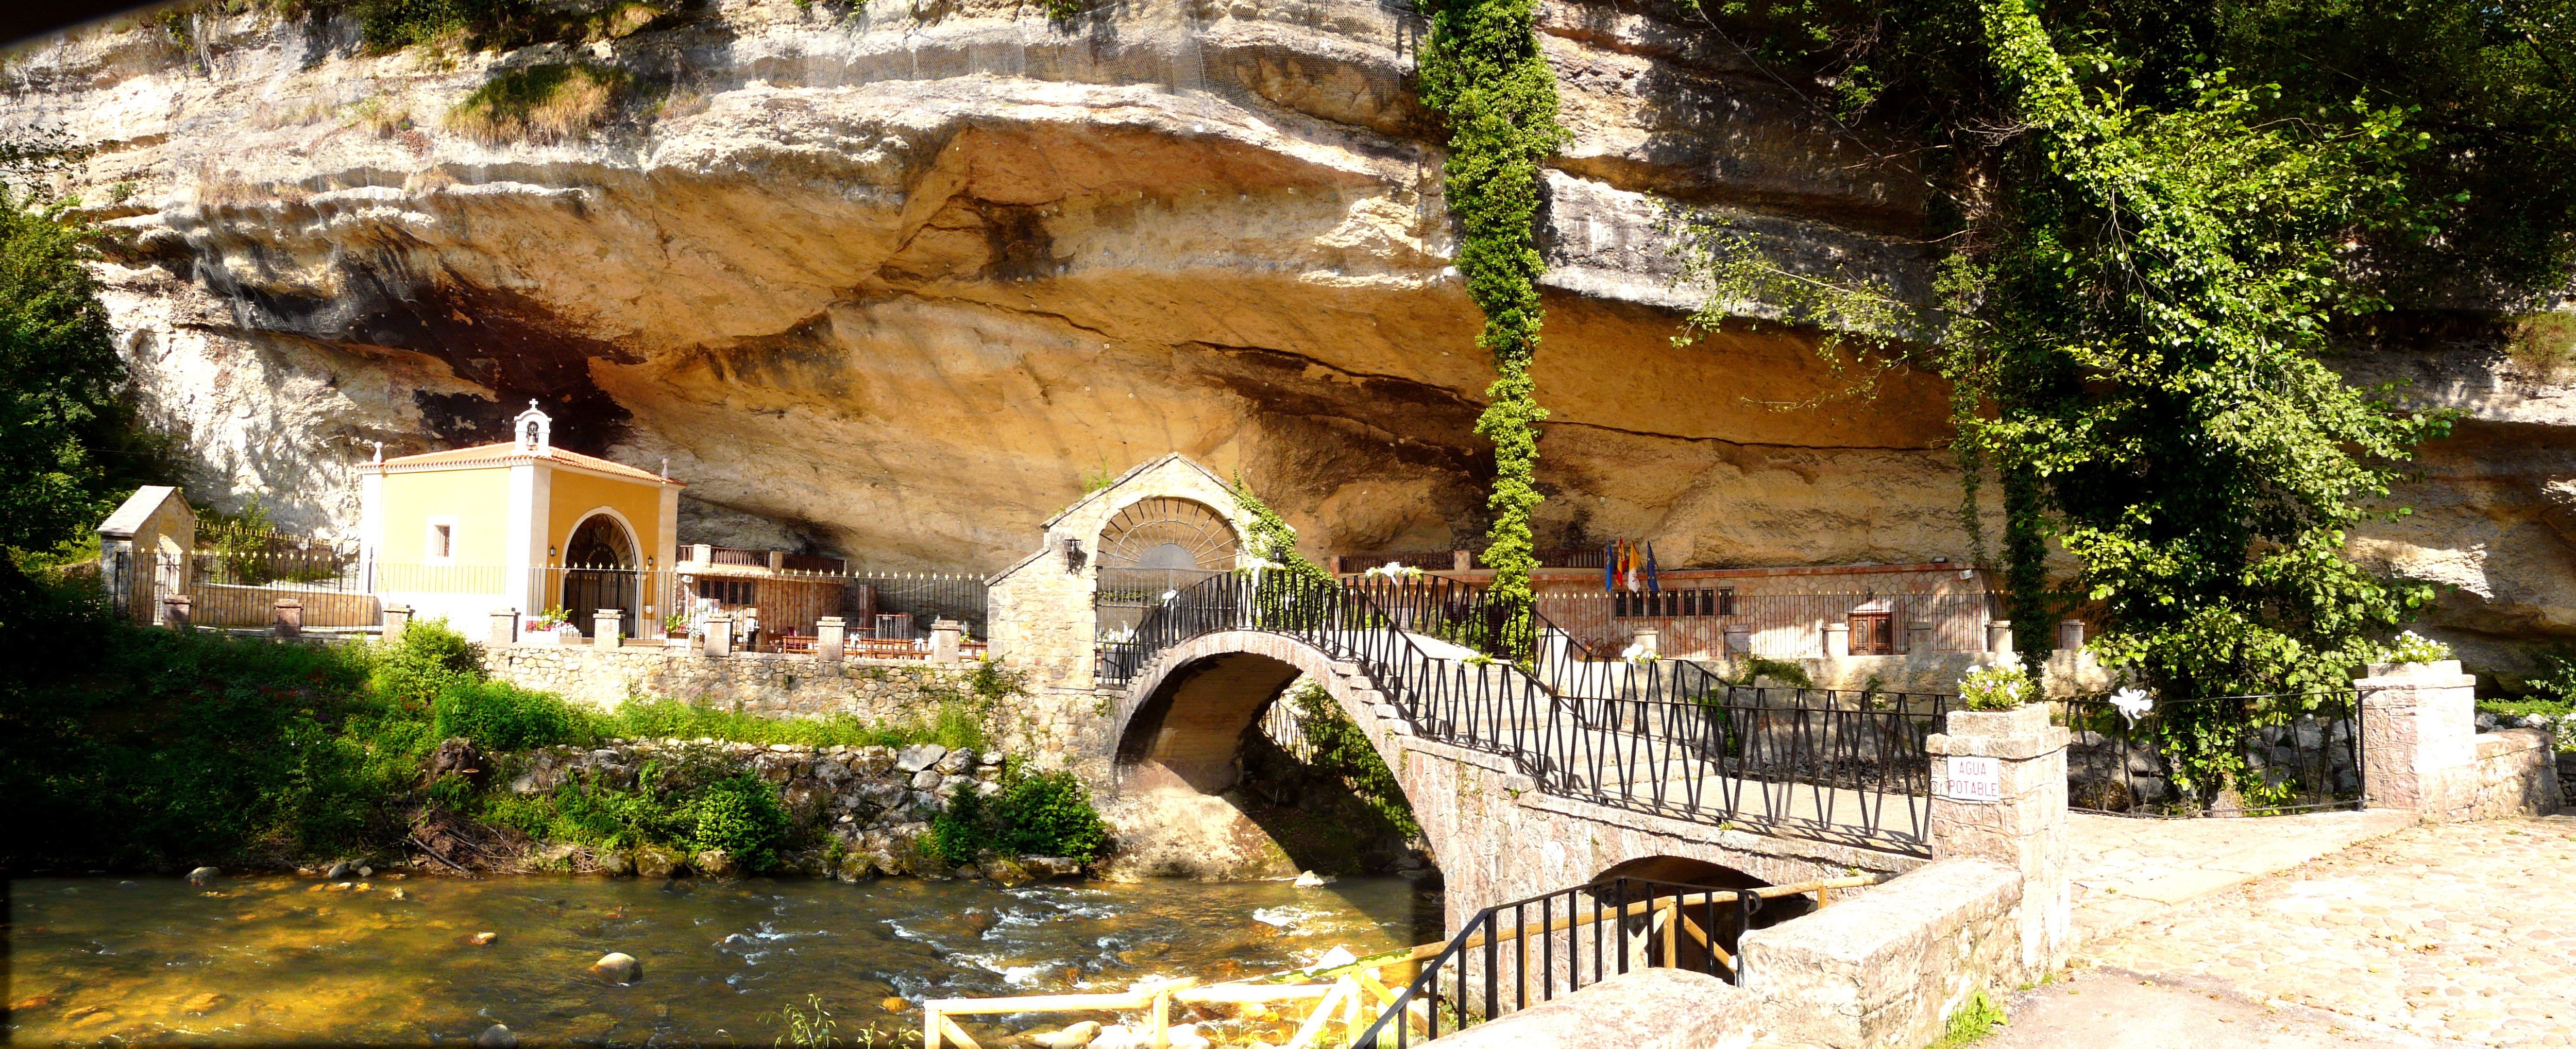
x: 1629, y: 554
x: 1651, y: 586
x: 1610, y: 567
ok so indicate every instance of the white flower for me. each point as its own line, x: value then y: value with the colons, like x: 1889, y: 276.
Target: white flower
x: 1168, y: 595
x: 1393, y: 570
x: 2132, y: 703
x: 1637, y: 653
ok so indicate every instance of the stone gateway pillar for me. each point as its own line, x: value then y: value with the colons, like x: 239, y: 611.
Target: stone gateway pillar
x: 1999, y: 794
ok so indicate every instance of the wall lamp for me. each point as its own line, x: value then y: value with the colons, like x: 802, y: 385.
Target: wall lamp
x: 1072, y: 554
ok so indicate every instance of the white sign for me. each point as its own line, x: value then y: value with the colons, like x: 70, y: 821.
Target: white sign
x: 1974, y: 779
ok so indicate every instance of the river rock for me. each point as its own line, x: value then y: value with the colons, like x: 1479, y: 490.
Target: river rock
x: 1121, y: 1036
x: 1074, y: 1036
x: 1187, y: 1036
x: 617, y: 967
x: 1310, y: 880
x: 617, y: 864
x: 204, y: 876
x: 919, y: 756
x: 1050, y: 866
x: 956, y: 761
x: 205, y: 1003
x: 1007, y: 873
x: 926, y: 779
x: 497, y: 1036
x: 713, y: 863
x: 654, y: 861
x: 340, y: 870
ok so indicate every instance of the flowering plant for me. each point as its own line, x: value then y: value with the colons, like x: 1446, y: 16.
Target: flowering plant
x: 1995, y: 686
x: 1393, y: 570
x: 2133, y: 703
x: 1637, y: 652
x: 2412, y: 647
x: 549, y: 619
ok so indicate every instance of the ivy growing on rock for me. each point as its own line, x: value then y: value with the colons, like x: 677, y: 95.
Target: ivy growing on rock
x: 1481, y: 69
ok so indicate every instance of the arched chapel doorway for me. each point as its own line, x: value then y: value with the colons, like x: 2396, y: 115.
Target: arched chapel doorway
x: 600, y: 570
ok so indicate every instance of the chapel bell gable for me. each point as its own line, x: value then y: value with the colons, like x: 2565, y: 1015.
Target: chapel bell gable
x: 532, y: 432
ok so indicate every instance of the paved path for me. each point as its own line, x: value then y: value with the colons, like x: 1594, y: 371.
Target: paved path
x: 2460, y: 932
x: 2130, y: 870
x: 2099, y: 1009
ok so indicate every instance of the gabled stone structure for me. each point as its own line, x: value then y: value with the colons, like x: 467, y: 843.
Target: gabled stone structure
x: 1042, y: 608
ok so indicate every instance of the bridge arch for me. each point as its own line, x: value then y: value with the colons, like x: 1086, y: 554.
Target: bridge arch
x: 1180, y: 724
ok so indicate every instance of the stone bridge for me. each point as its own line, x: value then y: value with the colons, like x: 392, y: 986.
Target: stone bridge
x: 1496, y: 836
x: 1181, y: 699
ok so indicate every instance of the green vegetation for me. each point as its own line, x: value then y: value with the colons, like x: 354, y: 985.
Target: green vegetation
x: 1482, y: 72
x: 167, y: 748
x: 550, y: 102
x: 1751, y: 668
x: 1343, y: 751
x: 2154, y: 225
x: 2555, y: 679
x: 1977, y: 1017
x: 1038, y: 814
x: 1996, y: 686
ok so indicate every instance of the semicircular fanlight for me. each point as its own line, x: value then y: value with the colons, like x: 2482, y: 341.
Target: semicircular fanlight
x: 1168, y: 533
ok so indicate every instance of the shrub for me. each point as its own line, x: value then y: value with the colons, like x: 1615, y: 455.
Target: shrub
x: 1753, y: 668
x: 741, y: 816
x: 551, y: 102
x: 953, y: 725
x: 1040, y: 814
x: 1995, y: 686
x: 430, y: 657
x: 499, y: 716
x: 2556, y: 678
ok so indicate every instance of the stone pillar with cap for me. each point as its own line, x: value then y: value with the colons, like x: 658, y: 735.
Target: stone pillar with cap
x: 2419, y: 738
x: 830, y: 637
x: 1647, y: 640
x: 505, y: 627
x: 1999, y: 794
x: 286, y: 618
x: 718, y: 640
x: 1837, y: 640
x: 1462, y: 560
x: 2070, y: 634
x: 947, y: 638
x: 1739, y: 639
x: 606, y: 624
x: 176, y: 611
x: 1999, y: 639
x: 397, y: 620
x: 1918, y: 638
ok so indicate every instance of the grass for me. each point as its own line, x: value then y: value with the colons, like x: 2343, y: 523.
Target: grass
x: 2544, y: 344
x: 550, y: 102
x: 1977, y: 1017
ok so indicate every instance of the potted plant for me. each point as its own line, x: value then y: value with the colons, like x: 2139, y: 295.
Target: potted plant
x: 549, y: 627
x: 2413, y: 653
x: 677, y: 631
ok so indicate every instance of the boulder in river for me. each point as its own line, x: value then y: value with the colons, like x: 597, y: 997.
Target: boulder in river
x: 1074, y: 1036
x: 204, y: 876
x: 1050, y: 866
x: 617, y: 967
x: 340, y: 870
x: 617, y: 864
x: 497, y: 1036
x: 713, y: 863
x: 654, y: 861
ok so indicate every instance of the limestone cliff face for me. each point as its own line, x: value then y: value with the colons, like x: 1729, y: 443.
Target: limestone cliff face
x: 890, y: 280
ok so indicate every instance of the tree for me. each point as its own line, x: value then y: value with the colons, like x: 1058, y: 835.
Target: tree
x: 2156, y: 224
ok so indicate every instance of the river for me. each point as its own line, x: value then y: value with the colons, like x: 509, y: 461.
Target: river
x: 392, y: 961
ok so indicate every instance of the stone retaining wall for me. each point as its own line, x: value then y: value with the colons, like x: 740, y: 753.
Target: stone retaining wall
x: 2517, y: 775
x: 1054, y: 729
x: 1885, y: 969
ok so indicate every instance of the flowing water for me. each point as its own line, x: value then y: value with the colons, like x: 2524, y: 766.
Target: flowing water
x: 282, y: 959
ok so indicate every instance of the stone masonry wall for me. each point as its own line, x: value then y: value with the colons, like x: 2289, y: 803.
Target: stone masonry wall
x: 1887, y: 967
x: 2517, y: 775
x: 1053, y: 730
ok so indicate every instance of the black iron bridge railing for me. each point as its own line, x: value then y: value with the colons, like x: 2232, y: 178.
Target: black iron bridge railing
x: 1664, y: 737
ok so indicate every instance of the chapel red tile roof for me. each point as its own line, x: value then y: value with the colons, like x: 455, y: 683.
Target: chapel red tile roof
x: 506, y: 452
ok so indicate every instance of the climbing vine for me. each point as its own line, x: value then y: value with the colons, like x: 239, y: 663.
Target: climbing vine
x: 1481, y: 70
x: 1272, y: 540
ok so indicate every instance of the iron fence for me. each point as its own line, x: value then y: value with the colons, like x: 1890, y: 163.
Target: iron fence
x: 2217, y: 756
x: 1695, y: 622
x: 1666, y: 737
x: 903, y: 605
x: 1528, y: 952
